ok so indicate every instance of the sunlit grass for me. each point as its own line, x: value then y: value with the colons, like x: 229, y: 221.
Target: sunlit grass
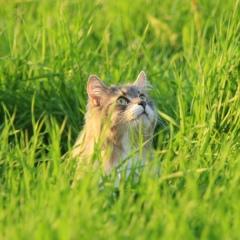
x: 190, y: 52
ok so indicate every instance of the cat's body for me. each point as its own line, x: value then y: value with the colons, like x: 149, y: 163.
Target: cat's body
x: 117, y: 120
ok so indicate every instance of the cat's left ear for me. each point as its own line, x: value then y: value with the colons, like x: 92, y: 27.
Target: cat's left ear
x: 96, y: 90
x: 141, y: 81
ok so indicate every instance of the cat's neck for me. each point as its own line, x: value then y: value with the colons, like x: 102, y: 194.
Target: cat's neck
x: 115, y: 143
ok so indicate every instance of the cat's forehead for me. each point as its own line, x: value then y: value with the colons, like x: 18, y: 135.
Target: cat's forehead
x: 128, y: 90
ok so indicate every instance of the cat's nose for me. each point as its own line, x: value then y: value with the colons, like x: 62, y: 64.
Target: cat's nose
x: 143, y: 103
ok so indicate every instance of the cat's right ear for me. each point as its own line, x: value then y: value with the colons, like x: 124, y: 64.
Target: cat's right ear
x: 141, y: 81
x: 96, y: 90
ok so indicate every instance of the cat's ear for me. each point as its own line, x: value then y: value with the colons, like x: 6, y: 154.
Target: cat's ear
x: 96, y: 90
x: 141, y: 81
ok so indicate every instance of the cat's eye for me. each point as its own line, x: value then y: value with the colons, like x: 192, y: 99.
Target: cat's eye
x: 122, y: 101
x: 143, y: 98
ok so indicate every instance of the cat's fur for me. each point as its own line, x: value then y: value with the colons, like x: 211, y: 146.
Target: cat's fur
x: 115, y: 129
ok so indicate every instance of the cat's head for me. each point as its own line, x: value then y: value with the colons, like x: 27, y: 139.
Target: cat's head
x: 127, y: 105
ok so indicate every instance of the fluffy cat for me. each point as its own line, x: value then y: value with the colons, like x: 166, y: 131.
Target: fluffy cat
x: 119, y: 123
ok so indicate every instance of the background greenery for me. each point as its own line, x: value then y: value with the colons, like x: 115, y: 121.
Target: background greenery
x: 190, y: 51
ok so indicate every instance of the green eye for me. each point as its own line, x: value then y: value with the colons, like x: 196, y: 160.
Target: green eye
x: 142, y: 97
x: 122, y: 101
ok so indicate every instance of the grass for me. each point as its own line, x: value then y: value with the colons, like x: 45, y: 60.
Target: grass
x: 190, y: 51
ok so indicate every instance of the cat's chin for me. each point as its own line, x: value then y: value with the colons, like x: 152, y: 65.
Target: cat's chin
x: 144, y: 114
x: 140, y: 117
x: 141, y: 120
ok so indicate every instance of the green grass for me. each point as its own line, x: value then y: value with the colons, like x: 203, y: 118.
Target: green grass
x: 191, y: 54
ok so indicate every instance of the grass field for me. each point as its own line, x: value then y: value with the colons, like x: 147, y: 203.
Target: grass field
x: 190, y: 51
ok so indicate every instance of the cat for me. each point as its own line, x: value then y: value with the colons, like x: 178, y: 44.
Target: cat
x: 119, y: 123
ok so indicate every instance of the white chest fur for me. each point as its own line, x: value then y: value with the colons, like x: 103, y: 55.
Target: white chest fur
x: 130, y: 160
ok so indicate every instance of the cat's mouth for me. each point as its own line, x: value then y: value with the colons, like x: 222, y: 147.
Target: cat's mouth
x: 143, y: 114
